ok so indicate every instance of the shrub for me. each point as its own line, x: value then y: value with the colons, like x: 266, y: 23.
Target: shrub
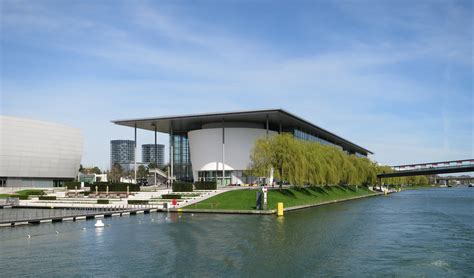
x: 103, y: 201
x: 138, y: 202
x: 205, y: 185
x: 70, y: 185
x: 114, y: 187
x: 180, y: 186
x: 47, y: 197
x: 170, y: 196
x: 19, y: 196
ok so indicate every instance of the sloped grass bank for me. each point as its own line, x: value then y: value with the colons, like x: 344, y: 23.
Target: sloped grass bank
x: 245, y: 199
x: 23, y: 194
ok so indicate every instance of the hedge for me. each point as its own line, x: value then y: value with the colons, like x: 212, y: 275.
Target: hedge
x: 103, y: 201
x: 47, y: 198
x: 19, y: 196
x: 138, y: 202
x: 170, y: 196
x: 181, y: 186
x: 205, y: 185
x: 114, y: 187
x: 74, y: 184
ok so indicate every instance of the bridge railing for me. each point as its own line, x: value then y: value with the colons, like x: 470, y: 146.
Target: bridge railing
x: 468, y: 163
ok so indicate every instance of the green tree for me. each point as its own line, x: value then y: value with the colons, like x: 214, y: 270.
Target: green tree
x: 96, y: 170
x: 142, y: 172
x: 152, y: 165
x: 302, y: 163
x: 116, y: 172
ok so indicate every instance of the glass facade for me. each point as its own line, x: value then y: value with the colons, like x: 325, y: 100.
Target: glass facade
x: 148, y: 154
x: 309, y: 137
x: 181, y: 158
x: 234, y: 177
x: 211, y: 176
x: 122, y: 152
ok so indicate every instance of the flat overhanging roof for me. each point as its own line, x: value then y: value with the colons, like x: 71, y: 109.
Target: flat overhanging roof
x: 185, y: 123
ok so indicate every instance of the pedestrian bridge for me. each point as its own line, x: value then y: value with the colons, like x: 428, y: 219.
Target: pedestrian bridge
x: 431, y: 168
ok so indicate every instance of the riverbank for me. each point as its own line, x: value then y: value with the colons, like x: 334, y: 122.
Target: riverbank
x: 243, y: 201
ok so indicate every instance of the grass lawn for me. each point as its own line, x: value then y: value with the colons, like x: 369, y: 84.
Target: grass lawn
x: 24, y: 193
x: 245, y: 199
x: 30, y: 192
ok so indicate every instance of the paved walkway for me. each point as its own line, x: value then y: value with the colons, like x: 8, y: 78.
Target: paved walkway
x: 211, y: 194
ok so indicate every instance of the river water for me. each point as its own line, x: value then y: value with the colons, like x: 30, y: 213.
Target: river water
x: 428, y: 233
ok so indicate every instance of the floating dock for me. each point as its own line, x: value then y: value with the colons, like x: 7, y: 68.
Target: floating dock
x: 84, y: 216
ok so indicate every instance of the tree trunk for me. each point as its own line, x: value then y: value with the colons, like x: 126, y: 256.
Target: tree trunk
x: 281, y: 177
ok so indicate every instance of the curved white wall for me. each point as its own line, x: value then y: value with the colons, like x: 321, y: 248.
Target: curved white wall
x: 205, y: 147
x: 37, y: 149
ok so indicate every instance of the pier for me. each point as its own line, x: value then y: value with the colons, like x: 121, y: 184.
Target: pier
x: 70, y: 214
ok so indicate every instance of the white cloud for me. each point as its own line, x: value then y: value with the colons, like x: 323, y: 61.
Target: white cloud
x: 213, y: 69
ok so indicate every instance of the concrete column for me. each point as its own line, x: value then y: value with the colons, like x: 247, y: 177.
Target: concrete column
x: 156, y: 153
x: 156, y: 148
x: 267, y: 124
x: 135, y: 154
x: 171, y: 153
x: 223, y: 152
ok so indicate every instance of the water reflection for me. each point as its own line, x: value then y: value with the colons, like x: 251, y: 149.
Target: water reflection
x: 420, y: 233
x: 99, y: 231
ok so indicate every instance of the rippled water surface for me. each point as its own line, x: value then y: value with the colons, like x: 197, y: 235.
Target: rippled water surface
x: 413, y: 233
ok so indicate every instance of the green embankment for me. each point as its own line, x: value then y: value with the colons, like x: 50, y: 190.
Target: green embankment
x: 23, y: 194
x: 245, y: 199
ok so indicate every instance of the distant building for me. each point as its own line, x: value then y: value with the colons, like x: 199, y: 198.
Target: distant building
x: 150, y: 155
x: 122, y: 152
x: 37, y: 153
x: 92, y: 178
x: 218, y: 146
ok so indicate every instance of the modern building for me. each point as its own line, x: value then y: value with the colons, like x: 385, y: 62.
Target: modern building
x: 37, y: 153
x: 152, y: 153
x: 122, y: 152
x: 92, y: 178
x: 218, y: 145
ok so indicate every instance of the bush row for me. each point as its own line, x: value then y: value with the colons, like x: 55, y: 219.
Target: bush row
x: 70, y: 185
x: 138, y: 202
x: 170, y: 196
x: 47, y: 198
x: 181, y: 186
x: 114, y: 187
x: 205, y: 185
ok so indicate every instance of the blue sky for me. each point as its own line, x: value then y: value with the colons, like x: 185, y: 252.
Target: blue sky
x: 395, y: 77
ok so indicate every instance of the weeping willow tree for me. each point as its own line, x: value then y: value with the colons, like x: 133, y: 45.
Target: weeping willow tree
x: 302, y: 163
x: 283, y: 155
